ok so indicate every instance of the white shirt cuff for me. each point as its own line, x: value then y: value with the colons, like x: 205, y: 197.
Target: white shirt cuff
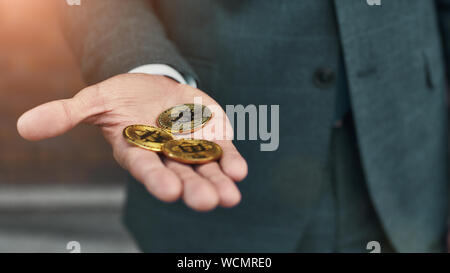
x: 164, y: 70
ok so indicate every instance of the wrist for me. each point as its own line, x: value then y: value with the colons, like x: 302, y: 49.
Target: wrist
x: 165, y: 70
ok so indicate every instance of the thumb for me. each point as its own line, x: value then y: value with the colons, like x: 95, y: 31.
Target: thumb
x: 57, y: 117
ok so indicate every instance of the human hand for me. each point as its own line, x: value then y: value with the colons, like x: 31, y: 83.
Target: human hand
x: 139, y: 99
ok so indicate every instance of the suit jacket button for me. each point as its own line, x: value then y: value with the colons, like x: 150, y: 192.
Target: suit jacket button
x: 324, y: 77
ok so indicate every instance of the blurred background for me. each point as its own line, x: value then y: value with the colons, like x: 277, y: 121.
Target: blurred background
x: 60, y: 190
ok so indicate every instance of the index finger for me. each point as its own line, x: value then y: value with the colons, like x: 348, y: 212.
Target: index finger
x: 148, y: 169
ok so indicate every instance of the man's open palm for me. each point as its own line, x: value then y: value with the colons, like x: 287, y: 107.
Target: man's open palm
x: 139, y: 99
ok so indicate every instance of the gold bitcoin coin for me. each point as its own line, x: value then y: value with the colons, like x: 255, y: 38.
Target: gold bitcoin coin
x: 192, y: 151
x: 184, y: 118
x: 147, y: 137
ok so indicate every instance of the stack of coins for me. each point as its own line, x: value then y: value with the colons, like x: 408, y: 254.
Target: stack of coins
x: 180, y: 119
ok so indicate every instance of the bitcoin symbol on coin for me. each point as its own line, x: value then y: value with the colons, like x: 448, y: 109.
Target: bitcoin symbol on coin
x: 147, y: 137
x: 192, y: 148
x: 150, y: 136
x: 185, y: 118
x: 192, y: 151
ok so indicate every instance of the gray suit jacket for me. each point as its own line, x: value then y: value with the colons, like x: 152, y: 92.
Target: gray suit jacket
x: 266, y: 52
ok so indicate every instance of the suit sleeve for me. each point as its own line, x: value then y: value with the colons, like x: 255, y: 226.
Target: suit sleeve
x: 111, y: 37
